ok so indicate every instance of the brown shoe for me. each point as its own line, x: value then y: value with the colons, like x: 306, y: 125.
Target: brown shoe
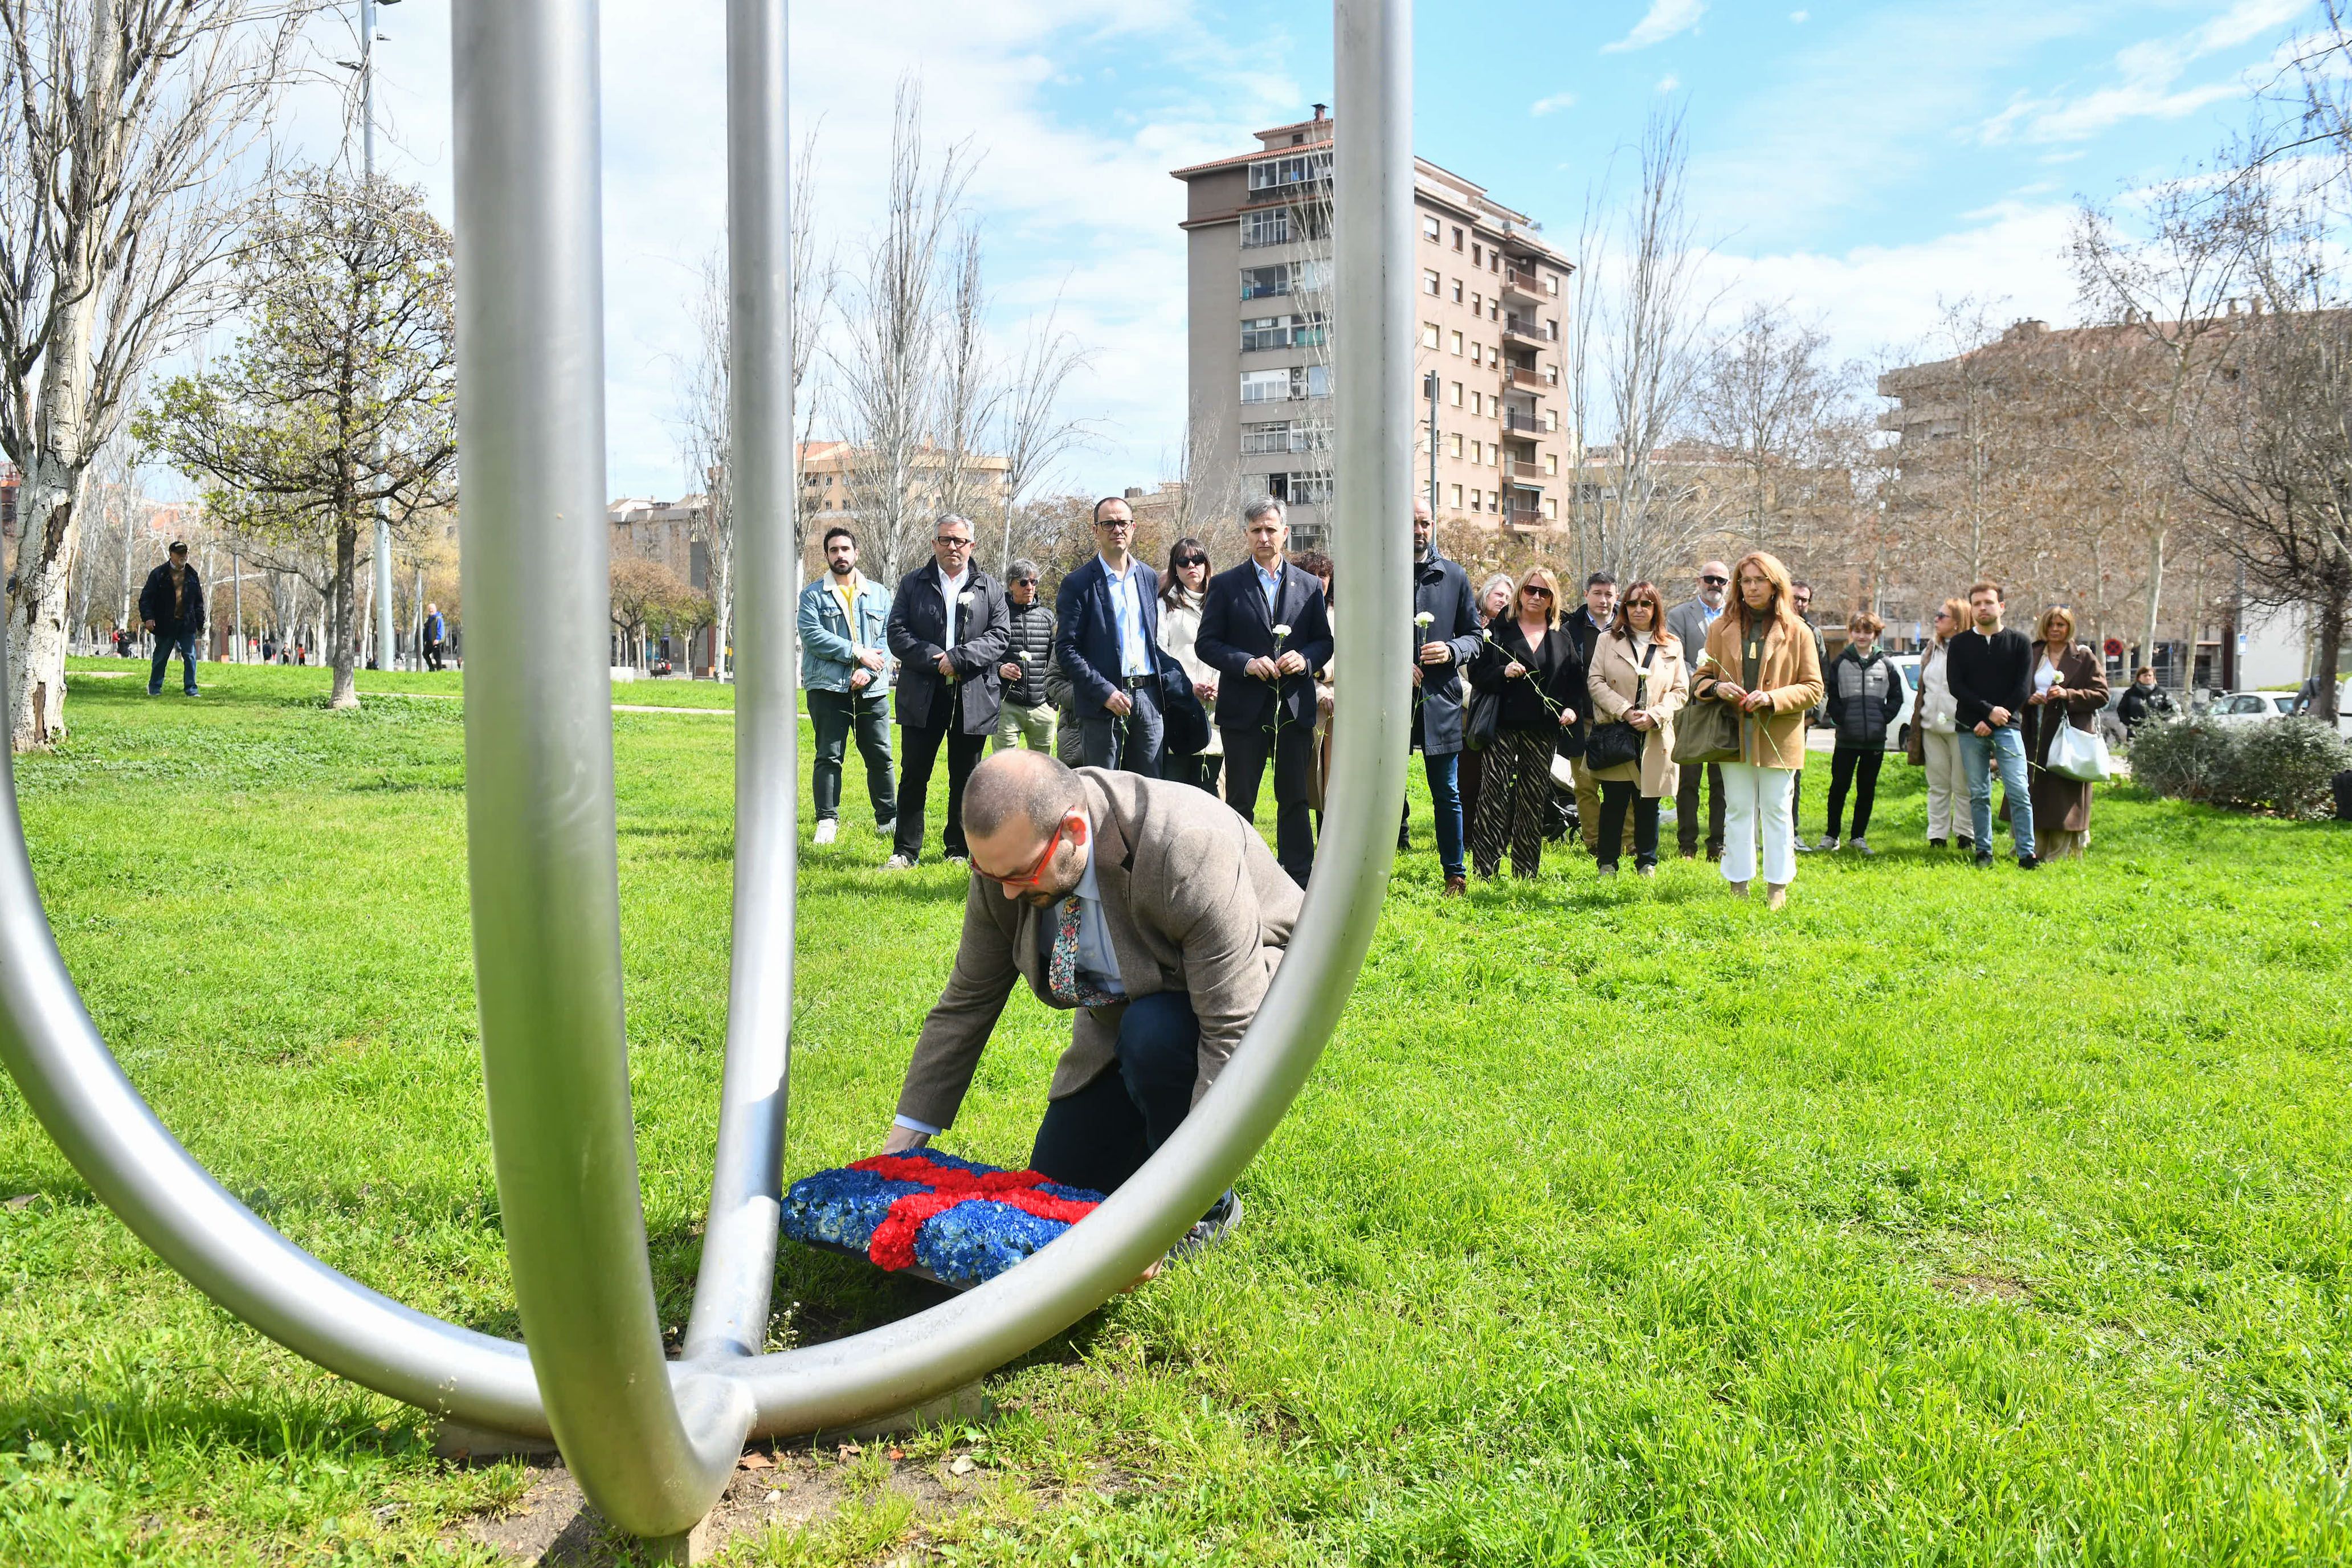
x: 1457, y: 886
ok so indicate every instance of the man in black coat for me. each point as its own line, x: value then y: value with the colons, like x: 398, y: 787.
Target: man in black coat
x: 1108, y: 615
x: 949, y: 630
x: 1264, y: 627
x: 1446, y: 627
x: 171, y: 606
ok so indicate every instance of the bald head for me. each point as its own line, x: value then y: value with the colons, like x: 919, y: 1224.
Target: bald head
x: 1020, y: 788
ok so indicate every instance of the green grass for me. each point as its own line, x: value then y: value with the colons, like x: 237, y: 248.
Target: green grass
x: 1946, y: 1217
x: 84, y: 675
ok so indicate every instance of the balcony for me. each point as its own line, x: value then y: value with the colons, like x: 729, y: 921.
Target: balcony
x: 1520, y: 378
x: 1529, y: 424
x: 1524, y: 471
x: 1525, y: 517
x: 1528, y: 332
x: 1524, y: 285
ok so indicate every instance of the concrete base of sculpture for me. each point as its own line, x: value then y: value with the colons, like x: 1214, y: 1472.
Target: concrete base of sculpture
x: 456, y: 1440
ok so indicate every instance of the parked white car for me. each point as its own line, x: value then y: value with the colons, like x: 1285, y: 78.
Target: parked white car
x: 2250, y: 706
x: 1898, y: 729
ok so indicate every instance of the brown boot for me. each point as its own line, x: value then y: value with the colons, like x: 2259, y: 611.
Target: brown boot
x: 1457, y: 886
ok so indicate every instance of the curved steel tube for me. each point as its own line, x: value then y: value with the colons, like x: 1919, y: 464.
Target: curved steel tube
x: 654, y: 1442
x: 539, y: 769
x: 733, y: 1291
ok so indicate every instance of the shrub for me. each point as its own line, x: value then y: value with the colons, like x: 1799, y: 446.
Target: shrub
x: 2284, y: 766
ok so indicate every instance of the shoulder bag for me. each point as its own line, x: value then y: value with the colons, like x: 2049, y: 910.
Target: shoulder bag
x: 1706, y: 731
x: 1617, y: 742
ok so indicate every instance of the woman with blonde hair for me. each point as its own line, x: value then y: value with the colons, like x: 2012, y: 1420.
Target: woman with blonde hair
x: 1637, y: 680
x: 1934, y: 743
x: 1761, y: 661
x: 1527, y: 660
x: 2069, y: 686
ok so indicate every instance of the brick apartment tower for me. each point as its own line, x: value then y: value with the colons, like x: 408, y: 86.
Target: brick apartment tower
x: 1490, y: 319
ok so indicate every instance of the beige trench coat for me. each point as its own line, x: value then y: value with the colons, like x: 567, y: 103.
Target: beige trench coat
x: 1610, y: 681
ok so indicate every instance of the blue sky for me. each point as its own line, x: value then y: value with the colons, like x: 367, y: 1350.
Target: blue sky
x: 1856, y: 160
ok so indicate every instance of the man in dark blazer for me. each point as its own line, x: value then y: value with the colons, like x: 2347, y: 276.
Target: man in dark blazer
x: 1151, y: 913
x: 949, y: 629
x: 1446, y: 627
x: 171, y: 606
x: 1264, y: 627
x: 1108, y: 612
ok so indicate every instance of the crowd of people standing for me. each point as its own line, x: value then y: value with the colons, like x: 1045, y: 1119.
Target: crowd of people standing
x: 1531, y: 714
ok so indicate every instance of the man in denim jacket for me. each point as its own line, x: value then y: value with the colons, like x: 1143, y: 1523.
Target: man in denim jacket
x: 846, y: 670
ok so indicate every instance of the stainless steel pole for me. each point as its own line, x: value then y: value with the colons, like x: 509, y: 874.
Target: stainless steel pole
x: 236, y: 602
x: 383, y: 629
x: 739, y: 1248
x: 538, y: 762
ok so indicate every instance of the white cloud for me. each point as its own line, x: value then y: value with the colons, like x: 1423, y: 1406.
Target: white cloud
x: 1553, y: 104
x: 1801, y: 17
x: 1668, y: 82
x: 1664, y: 20
x: 2148, y: 80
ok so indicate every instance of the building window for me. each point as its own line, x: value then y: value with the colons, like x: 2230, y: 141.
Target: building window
x: 1478, y: 404
x: 1477, y: 353
x: 1551, y: 282
x: 1551, y: 328
x: 1429, y: 280
x: 1477, y: 256
x: 1428, y: 334
x: 1552, y: 463
x: 1494, y: 261
x: 1551, y: 509
x: 1429, y: 228
x: 1477, y: 303
x: 1317, y: 379
x: 1457, y: 492
x: 1265, y: 386
x: 1280, y: 173
x: 1456, y: 396
x: 1300, y: 490
x: 1260, y: 282
x: 1260, y: 438
x: 1494, y: 500
x: 1309, y: 276
x: 1456, y: 449
x: 1458, y: 291
x: 1457, y: 237
x: 1263, y: 332
x: 1475, y: 451
x: 1269, y: 227
x: 1457, y: 343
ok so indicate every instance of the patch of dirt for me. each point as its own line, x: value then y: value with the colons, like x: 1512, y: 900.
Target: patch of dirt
x: 1972, y: 1285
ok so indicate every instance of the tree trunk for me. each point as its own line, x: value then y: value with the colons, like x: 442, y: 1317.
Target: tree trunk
x: 2331, y: 655
x: 338, y: 610
x: 37, y: 611
x: 2155, y: 595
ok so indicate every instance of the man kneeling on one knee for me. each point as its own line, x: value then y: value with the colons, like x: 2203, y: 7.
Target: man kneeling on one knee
x: 1147, y: 907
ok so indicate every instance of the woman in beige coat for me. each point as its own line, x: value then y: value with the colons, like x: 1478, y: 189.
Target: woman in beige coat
x: 1637, y: 678
x: 1760, y: 658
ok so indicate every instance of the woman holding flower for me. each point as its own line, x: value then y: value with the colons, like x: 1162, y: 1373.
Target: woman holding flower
x: 1534, y: 667
x: 1494, y: 605
x: 1761, y: 661
x: 1637, y: 679
x: 2069, y: 686
x: 1181, y: 594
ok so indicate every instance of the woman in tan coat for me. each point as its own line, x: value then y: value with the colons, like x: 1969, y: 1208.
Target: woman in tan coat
x: 1760, y: 658
x: 1637, y: 678
x: 2070, y: 686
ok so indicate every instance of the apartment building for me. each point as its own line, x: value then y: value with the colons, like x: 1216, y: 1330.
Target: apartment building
x: 1490, y: 324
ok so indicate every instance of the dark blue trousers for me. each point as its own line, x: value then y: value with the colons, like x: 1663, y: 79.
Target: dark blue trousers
x: 166, y: 644
x: 1102, y: 1134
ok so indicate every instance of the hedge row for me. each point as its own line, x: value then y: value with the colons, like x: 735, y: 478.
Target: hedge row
x: 2282, y: 765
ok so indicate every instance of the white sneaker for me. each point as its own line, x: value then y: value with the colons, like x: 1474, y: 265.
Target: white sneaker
x: 899, y: 863
x: 826, y: 827
x: 1828, y: 844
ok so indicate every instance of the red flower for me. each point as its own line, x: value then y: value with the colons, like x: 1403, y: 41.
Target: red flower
x: 893, y: 1243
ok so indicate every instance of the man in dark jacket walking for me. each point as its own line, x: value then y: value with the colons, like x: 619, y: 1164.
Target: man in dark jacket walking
x: 1865, y: 693
x: 1107, y: 642
x: 1028, y: 656
x: 948, y: 630
x: 171, y: 606
x: 2142, y: 699
x: 1445, y: 640
x: 437, y: 636
x: 1264, y: 628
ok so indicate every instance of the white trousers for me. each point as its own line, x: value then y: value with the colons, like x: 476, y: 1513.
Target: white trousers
x: 1756, y: 802
x: 1948, y: 785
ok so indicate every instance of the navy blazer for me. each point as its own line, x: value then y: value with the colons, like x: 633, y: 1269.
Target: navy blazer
x: 1236, y: 629
x: 1085, y: 643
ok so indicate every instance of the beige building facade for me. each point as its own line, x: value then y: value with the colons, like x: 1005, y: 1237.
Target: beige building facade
x: 1490, y: 321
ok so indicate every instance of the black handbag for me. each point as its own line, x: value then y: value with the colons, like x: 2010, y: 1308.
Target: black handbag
x: 1486, y: 718
x: 1616, y: 743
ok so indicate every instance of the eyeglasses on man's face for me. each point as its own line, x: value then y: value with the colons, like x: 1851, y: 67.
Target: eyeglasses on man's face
x: 1025, y: 581
x: 1716, y: 582
x: 960, y: 543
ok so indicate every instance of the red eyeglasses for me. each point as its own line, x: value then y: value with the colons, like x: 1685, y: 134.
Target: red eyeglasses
x: 1030, y: 879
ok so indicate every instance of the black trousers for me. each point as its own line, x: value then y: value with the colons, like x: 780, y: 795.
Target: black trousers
x: 1292, y: 752
x: 1616, y: 798
x: 1131, y: 745
x: 837, y: 716
x: 1687, y: 810
x: 1101, y: 1135
x: 1202, y: 770
x: 922, y: 749
x: 1859, y: 768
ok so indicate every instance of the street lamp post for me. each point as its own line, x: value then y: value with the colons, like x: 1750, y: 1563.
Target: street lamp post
x: 384, y: 636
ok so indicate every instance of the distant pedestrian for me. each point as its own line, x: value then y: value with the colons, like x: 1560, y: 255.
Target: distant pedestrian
x: 1991, y: 670
x: 1760, y: 658
x: 2070, y: 688
x: 437, y: 636
x: 2142, y: 700
x: 1531, y: 662
x: 1108, y: 615
x: 1690, y: 621
x: 1028, y: 655
x: 1935, y: 743
x: 844, y: 620
x: 1182, y: 592
x: 947, y: 631
x: 172, y: 606
x: 1865, y: 696
x: 1445, y: 640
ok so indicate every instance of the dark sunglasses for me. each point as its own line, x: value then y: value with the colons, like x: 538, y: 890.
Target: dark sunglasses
x: 1716, y: 582
x: 1025, y: 581
x: 1193, y: 560
x: 1537, y: 592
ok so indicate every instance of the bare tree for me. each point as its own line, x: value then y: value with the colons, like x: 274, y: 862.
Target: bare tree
x: 122, y: 126
x: 706, y: 439
x: 1031, y: 427
x: 1769, y: 400
x: 969, y: 392
x: 886, y: 377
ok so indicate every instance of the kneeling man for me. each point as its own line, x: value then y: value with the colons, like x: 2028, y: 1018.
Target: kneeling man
x: 1149, y: 908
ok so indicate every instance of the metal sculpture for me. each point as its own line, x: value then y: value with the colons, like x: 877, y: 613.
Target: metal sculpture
x: 653, y: 1441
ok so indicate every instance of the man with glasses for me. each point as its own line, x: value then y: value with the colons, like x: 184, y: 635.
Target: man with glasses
x: 1586, y: 626
x: 1028, y: 656
x: 1445, y: 628
x: 844, y: 619
x: 1108, y: 611
x: 1690, y: 623
x: 1144, y: 906
x: 949, y: 632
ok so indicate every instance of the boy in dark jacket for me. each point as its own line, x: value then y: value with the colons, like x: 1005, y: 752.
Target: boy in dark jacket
x: 1864, y: 693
